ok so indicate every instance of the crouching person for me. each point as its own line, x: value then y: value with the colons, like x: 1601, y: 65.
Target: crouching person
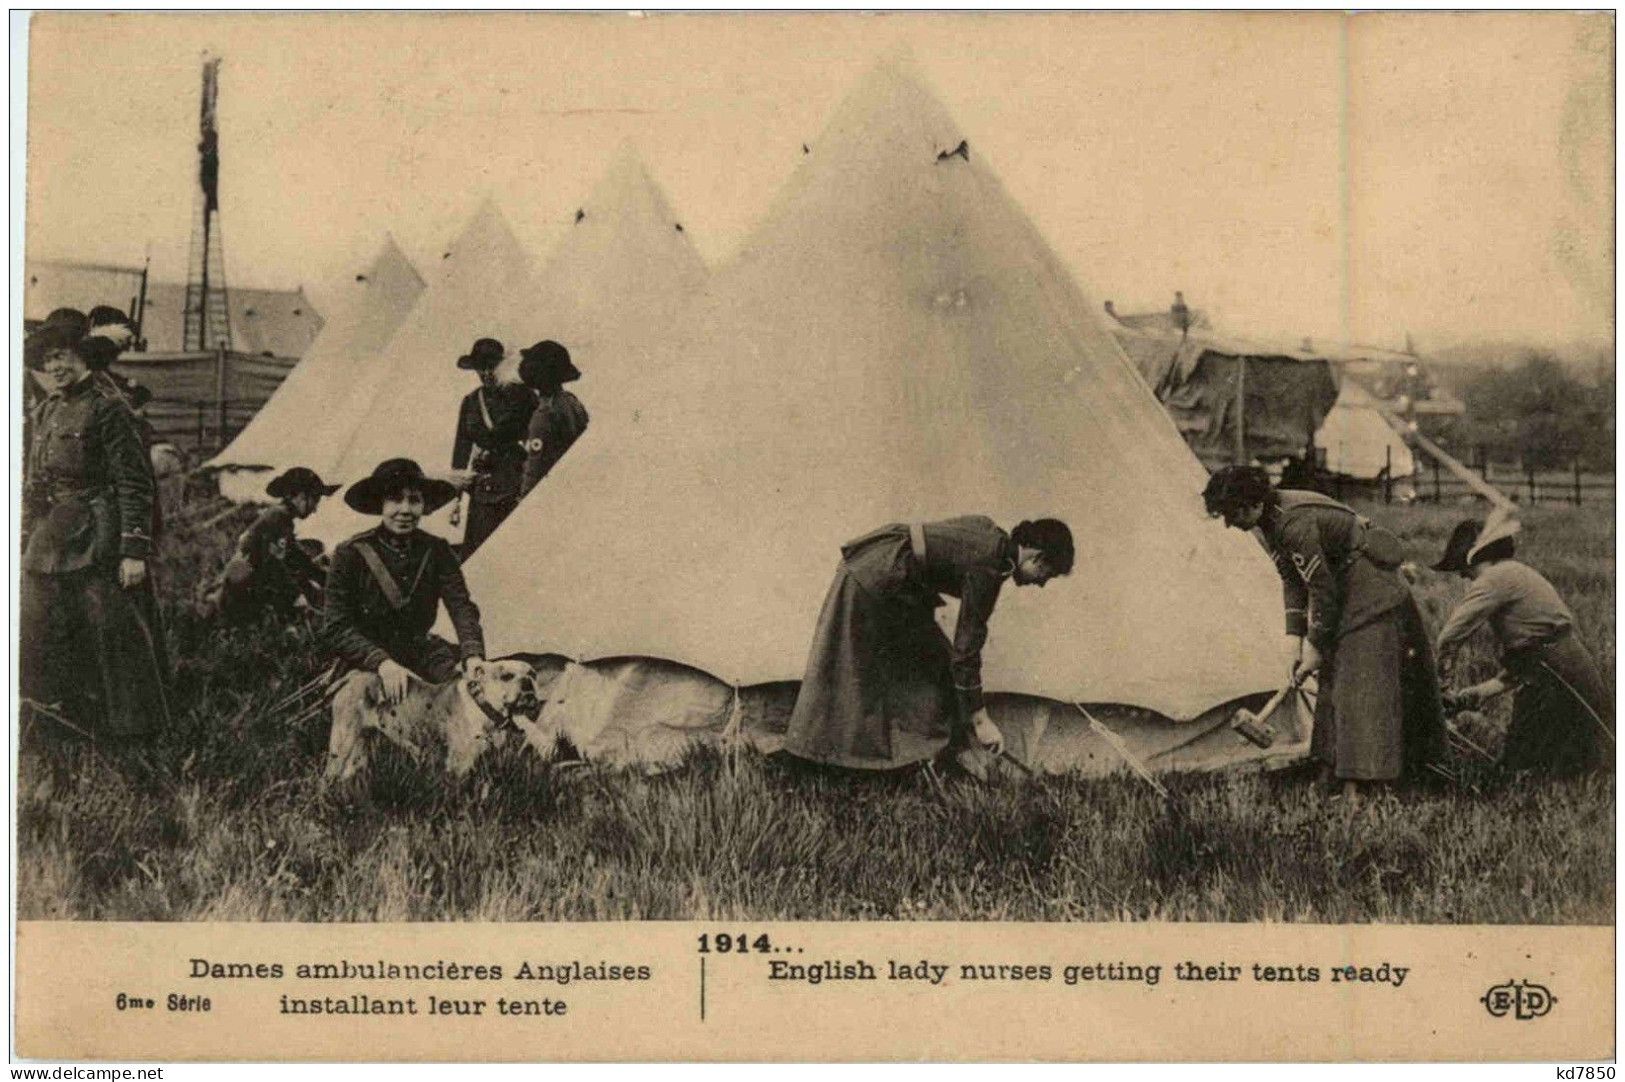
x: 386, y: 585
x: 1562, y: 713
x: 270, y: 571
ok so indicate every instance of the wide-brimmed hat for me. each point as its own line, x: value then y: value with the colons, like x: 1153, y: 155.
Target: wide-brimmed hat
x: 367, y: 494
x: 1455, y: 550
x: 296, y: 480
x: 66, y: 319
x: 546, y: 364
x: 109, y: 322
x: 105, y: 315
x: 99, y: 351
x: 62, y: 329
x: 485, y: 353
x: 1471, y: 537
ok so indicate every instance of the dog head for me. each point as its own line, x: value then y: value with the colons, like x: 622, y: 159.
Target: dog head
x: 509, y: 686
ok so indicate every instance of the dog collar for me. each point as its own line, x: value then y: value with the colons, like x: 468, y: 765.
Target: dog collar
x: 486, y: 708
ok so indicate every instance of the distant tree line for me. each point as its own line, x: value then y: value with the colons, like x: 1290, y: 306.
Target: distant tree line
x: 1536, y: 413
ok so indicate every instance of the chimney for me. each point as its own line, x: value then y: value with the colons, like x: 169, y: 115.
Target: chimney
x: 1181, y: 314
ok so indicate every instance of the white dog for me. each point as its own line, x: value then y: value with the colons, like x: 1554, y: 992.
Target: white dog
x: 466, y: 715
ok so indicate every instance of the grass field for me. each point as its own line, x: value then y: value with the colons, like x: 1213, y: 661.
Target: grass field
x: 222, y: 818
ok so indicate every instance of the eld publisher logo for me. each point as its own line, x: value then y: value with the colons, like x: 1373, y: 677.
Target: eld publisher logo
x: 1523, y: 1000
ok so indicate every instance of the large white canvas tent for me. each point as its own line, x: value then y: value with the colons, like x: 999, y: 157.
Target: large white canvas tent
x: 895, y: 342
x: 405, y: 404
x: 284, y: 432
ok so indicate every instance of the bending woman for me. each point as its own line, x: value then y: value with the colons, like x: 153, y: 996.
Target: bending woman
x: 884, y: 687
x: 1379, y: 714
x: 1562, y: 713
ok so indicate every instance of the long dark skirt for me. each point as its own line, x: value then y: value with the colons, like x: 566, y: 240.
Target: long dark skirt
x: 1379, y: 714
x: 1558, y: 711
x: 877, y: 693
x: 484, y: 516
x: 94, y: 648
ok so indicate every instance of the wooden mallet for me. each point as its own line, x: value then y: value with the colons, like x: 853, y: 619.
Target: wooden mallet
x: 1254, y: 727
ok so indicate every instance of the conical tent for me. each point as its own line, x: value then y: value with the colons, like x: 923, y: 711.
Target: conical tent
x: 406, y: 403
x: 284, y: 432
x: 894, y: 343
x: 624, y: 267
x: 1359, y: 442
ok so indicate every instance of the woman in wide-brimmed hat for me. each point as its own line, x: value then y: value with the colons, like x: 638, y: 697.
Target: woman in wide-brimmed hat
x: 89, y: 640
x: 108, y: 334
x: 560, y: 418
x: 1562, y: 714
x: 270, y: 572
x: 387, y: 584
x: 884, y: 688
x: 490, y: 429
x: 1353, y: 621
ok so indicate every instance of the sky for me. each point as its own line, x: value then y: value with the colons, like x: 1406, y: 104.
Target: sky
x: 1338, y: 177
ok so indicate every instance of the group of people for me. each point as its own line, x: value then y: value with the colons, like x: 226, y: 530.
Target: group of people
x: 883, y: 686
x: 512, y: 434
x: 1380, y: 712
x: 509, y: 437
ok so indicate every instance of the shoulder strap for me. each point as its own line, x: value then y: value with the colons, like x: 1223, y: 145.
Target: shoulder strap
x: 485, y: 413
x: 1303, y: 500
x: 380, y: 574
x: 386, y: 582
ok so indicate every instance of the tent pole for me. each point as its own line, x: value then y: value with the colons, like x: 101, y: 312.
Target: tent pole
x: 220, y: 392
x: 1241, y: 411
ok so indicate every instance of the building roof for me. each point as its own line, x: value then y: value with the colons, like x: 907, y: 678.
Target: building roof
x: 280, y: 322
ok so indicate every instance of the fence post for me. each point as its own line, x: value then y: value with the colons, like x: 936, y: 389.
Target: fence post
x: 1483, y: 462
x: 1530, y: 472
x: 1388, y: 473
x: 199, y: 441
x: 1438, y: 497
x: 1577, y: 481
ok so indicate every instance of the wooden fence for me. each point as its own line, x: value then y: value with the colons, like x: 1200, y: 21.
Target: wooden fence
x: 1575, y: 485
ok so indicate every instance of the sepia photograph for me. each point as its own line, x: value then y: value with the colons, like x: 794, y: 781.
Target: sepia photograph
x: 961, y: 470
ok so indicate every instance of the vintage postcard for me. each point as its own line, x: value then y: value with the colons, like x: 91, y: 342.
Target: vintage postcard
x: 680, y: 537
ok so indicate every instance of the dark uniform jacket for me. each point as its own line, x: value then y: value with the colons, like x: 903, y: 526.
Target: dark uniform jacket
x: 270, y: 543
x: 501, y: 470
x: 558, y: 422
x: 88, y: 485
x: 130, y: 393
x: 362, y: 624
x: 967, y: 557
x: 1329, y: 588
